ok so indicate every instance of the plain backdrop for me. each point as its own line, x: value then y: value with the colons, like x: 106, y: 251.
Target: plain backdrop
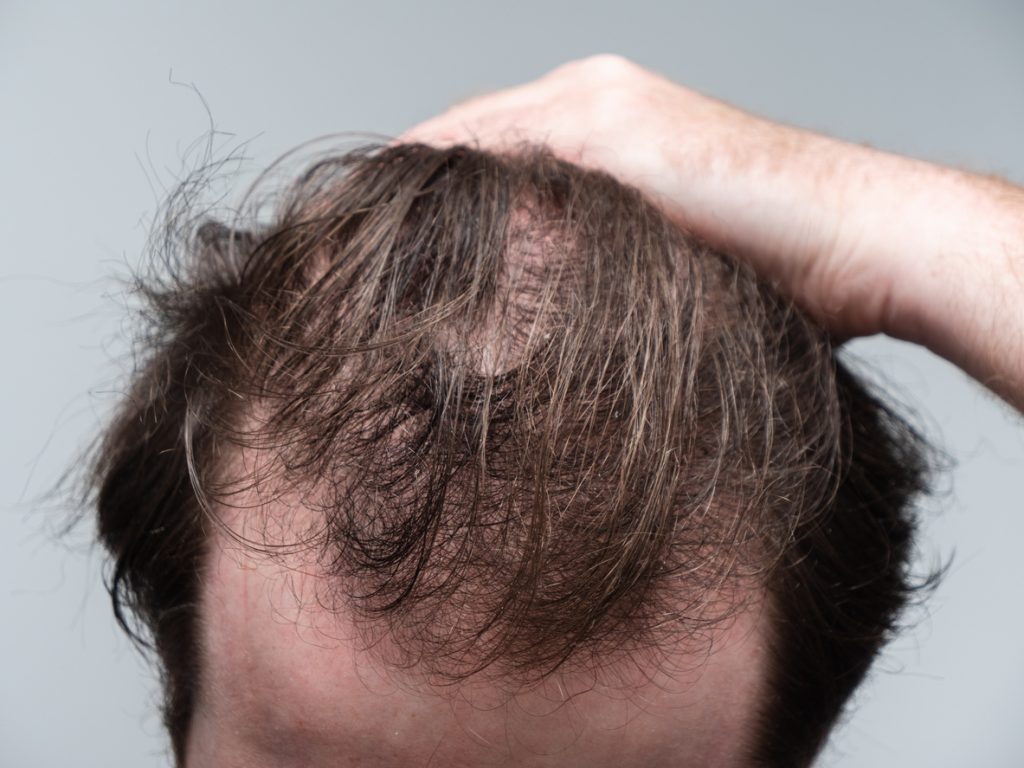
x: 95, y: 126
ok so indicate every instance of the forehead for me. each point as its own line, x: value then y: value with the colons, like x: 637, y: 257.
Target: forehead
x: 283, y: 683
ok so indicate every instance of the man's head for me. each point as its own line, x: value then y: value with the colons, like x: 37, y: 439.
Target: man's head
x: 479, y: 459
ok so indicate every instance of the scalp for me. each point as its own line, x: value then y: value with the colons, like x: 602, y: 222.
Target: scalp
x: 538, y: 424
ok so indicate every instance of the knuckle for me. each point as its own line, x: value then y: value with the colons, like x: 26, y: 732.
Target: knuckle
x: 610, y: 65
x: 600, y: 66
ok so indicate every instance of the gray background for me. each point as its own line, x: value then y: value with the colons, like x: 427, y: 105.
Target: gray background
x: 91, y: 127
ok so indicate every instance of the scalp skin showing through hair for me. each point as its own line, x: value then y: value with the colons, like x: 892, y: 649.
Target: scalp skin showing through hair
x: 284, y: 683
x: 519, y: 423
x: 529, y: 439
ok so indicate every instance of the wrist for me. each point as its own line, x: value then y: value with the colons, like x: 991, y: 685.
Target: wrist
x: 952, y: 245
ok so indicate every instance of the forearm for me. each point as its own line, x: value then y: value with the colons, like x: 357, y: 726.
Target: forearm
x: 871, y: 242
x: 953, y: 245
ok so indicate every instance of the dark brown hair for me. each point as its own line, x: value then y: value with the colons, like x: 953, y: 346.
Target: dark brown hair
x: 540, y: 426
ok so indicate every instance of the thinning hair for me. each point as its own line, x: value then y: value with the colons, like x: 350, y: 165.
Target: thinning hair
x: 536, y: 423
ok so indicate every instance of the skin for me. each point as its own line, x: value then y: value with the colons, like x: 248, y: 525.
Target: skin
x: 286, y: 684
x: 868, y: 242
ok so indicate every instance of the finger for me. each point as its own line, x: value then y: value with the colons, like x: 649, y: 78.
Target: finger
x: 461, y: 128
x: 461, y: 121
x: 438, y: 133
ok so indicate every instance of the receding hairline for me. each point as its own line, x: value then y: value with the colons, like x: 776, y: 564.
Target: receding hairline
x: 704, y: 702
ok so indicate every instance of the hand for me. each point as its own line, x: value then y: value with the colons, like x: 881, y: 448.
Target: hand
x: 759, y: 190
x: 865, y: 241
